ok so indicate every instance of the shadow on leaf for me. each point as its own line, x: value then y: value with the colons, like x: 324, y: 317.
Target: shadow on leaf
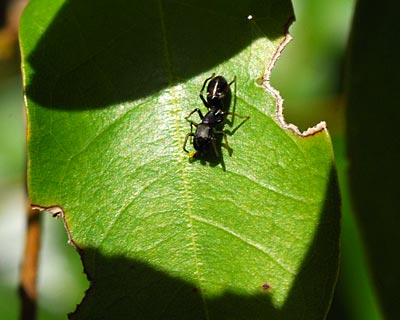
x: 123, y: 288
x: 93, y: 55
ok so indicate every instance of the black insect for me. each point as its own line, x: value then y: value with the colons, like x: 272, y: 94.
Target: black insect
x: 211, y: 127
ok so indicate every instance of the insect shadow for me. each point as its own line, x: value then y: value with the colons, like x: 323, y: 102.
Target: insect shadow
x: 210, y: 136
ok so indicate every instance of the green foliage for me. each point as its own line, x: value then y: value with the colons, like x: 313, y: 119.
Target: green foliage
x: 373, y: 145
x: 108, y: 89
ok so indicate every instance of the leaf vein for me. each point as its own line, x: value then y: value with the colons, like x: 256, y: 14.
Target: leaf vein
x: 245, y: 240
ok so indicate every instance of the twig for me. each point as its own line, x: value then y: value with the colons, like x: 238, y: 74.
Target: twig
x: 29, y: 270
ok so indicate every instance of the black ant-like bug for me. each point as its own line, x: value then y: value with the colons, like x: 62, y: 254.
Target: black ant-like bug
x: 212, y: 124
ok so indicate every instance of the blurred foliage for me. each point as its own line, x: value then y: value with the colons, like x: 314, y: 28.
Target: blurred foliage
x: 373, y: 143
x: 61, y: 281
x: 11, y: 115
x: 10, y: 12
x: 309, y: 73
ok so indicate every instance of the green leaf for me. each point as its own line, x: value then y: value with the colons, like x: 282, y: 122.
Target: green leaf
x: 373, y: 144
x: 252, y: 235
x: 354, y: 290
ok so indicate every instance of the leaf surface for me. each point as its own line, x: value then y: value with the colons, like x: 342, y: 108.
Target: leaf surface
x: 108, y: 88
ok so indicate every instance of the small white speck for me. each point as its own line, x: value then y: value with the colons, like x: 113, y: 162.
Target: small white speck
x: 249, y: 17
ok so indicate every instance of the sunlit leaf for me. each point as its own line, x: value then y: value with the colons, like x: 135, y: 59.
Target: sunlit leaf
x: 253, y: 235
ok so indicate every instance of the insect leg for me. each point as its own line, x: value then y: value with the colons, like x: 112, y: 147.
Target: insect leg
x: 234, y: 99
x: 234, y: 80
x: 215, y: 147
x: 226, y: 144
x: 233, y: 114
x: 202, y: 89
x: 191, y: 134
x: 195, y: 110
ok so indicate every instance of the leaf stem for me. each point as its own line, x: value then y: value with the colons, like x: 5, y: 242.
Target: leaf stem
x: 29, y: 270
